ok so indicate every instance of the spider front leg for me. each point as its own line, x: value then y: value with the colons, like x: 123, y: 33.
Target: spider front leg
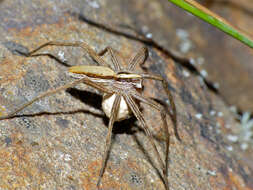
x: 114, y: 57
x: 114, y: 112
x: 133, y: 106
x: 163, y: 111
x: 82, y: 45
x: 139, y: 58
x: 173, y: 114
x: 51, y: 92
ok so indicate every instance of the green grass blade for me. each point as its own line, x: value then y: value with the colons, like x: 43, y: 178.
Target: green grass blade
x: 213, y: 19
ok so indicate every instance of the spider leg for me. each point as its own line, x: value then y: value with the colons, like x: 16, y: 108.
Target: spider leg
x: 114, y: 112
x: 114, y: 57
x: 82, y: 45
x: 163, y: 110
x: 50, y: 92
x: 140, y: 118
x: 139, y: 58
x: 173, y: 114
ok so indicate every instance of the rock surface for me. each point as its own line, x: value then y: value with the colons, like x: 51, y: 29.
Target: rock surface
x: 57, y: 143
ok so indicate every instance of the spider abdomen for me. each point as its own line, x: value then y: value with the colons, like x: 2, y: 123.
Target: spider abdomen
x: 124, y: 111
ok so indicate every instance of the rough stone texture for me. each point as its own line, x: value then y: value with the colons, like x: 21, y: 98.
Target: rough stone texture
x: 57, y: 143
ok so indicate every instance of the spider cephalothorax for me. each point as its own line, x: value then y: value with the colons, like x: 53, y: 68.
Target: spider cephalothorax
x: 124, y: 83
x: 121, y: 88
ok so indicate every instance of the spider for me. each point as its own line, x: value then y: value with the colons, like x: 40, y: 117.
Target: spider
x: 122, y: 94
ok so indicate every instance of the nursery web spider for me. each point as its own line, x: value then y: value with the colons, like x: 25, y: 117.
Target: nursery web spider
x: 122, y: 90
